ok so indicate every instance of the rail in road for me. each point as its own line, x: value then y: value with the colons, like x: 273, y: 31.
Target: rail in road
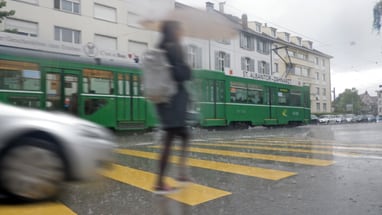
x: 276, y: 151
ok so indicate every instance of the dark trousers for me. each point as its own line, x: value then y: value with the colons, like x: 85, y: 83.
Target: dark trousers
x: 170, y: 134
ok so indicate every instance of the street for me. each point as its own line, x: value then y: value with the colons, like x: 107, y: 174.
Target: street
x: 313, y: 169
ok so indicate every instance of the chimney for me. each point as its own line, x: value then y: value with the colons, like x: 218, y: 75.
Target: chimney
x: 209, y: 6
x: 221, y: 7
x: 244, y: 21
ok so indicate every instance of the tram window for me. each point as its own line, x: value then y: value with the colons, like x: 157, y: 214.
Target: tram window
x: 136, y: 89
x: 20, y: 79
x: 97, y: 81
x: 295, y: 98
x: 220, y: 91
x: 255, y: 97
x: 120, y: 84
x: 255, y: 94
x: 127, y: 82
x: 239, y: 92
x: 282, y: 98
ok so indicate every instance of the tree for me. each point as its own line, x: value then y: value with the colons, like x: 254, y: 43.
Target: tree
x: 348, y: 102
x: 4, y: 14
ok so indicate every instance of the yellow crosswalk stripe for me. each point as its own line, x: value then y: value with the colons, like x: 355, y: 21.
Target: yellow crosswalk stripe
x: 309, y: 151
x: 308, y: 142
x: 218, y: 166
x: 347, y: 147
x: 36, y: 209
x: 193, y: 194
x: 288, y: 159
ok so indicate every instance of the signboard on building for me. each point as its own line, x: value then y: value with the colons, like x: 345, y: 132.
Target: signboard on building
x: 88, y: 50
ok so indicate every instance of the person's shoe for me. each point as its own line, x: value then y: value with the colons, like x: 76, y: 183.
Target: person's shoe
x: 164, y: 189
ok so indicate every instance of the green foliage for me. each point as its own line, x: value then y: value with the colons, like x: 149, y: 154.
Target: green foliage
x: 4, y: 14
x: 348, y: 102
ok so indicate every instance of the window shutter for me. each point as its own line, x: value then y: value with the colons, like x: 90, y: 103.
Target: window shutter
x: 217, y: 60
x: 242, y: 38
x: 199, y: 57
x: 259, y: 67
x: 243, y: 63
x: 252, y: 65
x: 57, y: 4
x: 251, y: 44
x: 226, y: 60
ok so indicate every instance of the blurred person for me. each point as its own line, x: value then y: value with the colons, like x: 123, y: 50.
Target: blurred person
x: 172, y: 115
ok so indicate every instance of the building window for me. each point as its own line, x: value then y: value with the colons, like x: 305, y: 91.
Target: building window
x: 324, y: 91
x: 137, y: 49
x: 222, y: 60
x: 324, y: 107
x: 263, y: 67
x: 302, y: 56
x: 291, y: 53
x: 246, y: 41
x: 262, y: 46
x: 133, y: 20
x: 71, y: 6
x: 317, y: 91
x: 275, y: 68
x: 258, y: 27
x: 273, y: 32
x: 105, y: 42
x: 194, y: 56
x: 67, y: 35
x: 323, y: 77
x: 323, y: 62
x: 318, y: 107
x: 247, y: 65
x: 21, y: 27
x: 105, y: 13
x: 317, y: 76
x: 297, y: 71
x: 316, y: 61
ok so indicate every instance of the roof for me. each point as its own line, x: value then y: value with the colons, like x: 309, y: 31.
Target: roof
x: 237, y: 21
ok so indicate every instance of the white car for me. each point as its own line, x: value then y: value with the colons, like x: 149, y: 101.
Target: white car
x: 40, y: 150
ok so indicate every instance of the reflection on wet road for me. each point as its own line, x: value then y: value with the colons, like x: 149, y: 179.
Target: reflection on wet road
x: 240, y: 162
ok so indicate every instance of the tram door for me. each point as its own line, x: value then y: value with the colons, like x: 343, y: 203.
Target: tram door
x: 214, y: 111
x: 62, y: 90
x: 131, y: 105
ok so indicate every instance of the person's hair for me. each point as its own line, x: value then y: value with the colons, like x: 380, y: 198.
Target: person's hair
x: 169, y: 31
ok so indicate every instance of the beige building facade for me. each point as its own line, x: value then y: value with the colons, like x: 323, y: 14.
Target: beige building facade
x: 109, y: 30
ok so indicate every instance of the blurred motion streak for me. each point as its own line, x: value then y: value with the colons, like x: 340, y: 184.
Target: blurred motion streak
x: 196, y: 23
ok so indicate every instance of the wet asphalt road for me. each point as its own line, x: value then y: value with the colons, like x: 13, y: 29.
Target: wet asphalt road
x: 333, y: 169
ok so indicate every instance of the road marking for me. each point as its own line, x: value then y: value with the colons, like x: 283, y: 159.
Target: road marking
x: 36, y: 209
x: 269, y: 174
x: 357, y: 147
x: 278, y: 149
x: 193, y: 194
x: 288, y: 159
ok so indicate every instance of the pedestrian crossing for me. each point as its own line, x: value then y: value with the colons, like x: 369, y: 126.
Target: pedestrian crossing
x: 273, y: 150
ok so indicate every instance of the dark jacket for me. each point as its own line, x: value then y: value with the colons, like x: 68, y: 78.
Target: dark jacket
x: 173, y: 114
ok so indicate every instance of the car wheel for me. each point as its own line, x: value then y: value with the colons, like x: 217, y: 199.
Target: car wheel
x: 31, y: 169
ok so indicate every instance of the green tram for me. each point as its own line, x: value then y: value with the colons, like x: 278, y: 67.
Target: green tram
x: 110, y: 93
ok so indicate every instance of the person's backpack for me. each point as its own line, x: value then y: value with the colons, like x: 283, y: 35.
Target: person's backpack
x: 158, y: 82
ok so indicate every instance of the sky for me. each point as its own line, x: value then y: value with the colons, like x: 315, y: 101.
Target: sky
x: 340, y: 28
